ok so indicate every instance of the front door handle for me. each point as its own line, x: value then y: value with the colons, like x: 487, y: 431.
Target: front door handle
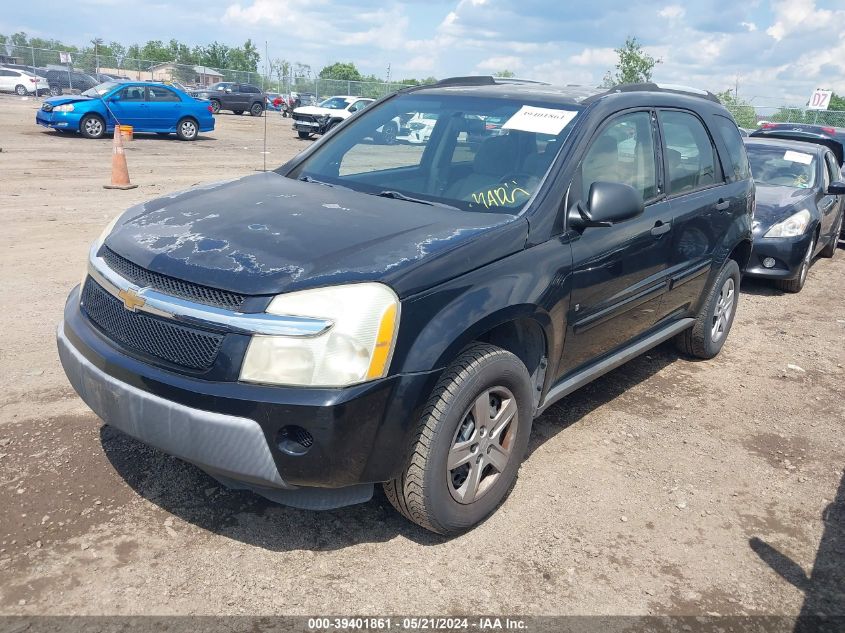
x: 722, y: 205
x: 660, y: 228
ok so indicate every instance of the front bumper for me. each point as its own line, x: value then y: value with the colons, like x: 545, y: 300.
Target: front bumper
x: 231, y: 430
x: 788, y: 253
x: 58, y: 120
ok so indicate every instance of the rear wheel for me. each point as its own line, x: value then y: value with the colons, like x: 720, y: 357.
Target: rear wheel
x: 215, y: 106
x: 55, y: 91
x: 92, y: 126
x: 256, y: 110
x: 187, y: 129
x: 468, y: 446
x: 304, y: 134
x: 20, y: 90
x: 830, y: 249
x: 715, y: 318
x: 797, y: 284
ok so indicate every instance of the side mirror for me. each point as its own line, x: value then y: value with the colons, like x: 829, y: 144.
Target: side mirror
x: 836, y: 188
x: 115, y: 97
x: 608, y: 203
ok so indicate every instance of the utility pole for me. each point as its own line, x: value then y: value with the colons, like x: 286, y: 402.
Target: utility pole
x: 736, y: 88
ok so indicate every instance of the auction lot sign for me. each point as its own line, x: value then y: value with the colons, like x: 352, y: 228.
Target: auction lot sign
x: 820, y: 100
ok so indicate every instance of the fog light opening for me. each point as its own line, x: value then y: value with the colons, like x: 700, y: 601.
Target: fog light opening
x: 294, y: 440
x: 769, y: 262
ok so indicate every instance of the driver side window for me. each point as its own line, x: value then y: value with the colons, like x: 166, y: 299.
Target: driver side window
x: 623, y: 152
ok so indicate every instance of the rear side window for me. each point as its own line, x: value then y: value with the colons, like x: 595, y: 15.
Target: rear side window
x: 622, y: 152
x: 157, y: 93
x: 738, y: 168
x: 690, y: 155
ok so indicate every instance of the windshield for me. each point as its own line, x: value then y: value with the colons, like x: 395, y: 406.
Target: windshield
x: 472, y: 153
x: 101, y: 89
x: 335, y: 103
x: 782, y: 167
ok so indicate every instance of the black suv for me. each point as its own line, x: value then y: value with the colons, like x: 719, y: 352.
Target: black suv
x: 61, y: 81
x: 400, y: 314
x: 238, y: 98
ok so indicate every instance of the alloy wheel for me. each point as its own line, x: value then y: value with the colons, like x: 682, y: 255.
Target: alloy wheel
x: 93, y: 126
x: 805, y: 265
x: 724, y: 309
x: 188, y: 129
x: 482, y: 445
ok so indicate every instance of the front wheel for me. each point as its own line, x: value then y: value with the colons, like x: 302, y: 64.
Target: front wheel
x: 215, y: 106
x: 20, y: 90
x: 469, y: 444
x: 797, y: 284
x: 715, y: 318
x: 92, y: 126
x: 55, y: 91
x: 256, y: 110
x: 187, y: 130
x: 304, y: 135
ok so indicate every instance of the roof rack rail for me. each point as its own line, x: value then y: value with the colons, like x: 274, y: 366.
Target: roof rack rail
x: 661, y: 87
x: 474, y: 80
x: 487, y: 80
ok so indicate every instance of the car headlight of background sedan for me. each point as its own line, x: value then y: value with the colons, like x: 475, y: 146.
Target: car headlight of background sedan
x: 356, y: 348
x: 66, y: 107
x: 792, y: 226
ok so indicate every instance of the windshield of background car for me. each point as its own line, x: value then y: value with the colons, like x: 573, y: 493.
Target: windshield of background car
x: 335, y: 103
x: 783, y: 167
x: 473, y: 153
x: 101, y: 89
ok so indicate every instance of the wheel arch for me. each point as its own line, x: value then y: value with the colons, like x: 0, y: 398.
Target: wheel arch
x: 741, y: 254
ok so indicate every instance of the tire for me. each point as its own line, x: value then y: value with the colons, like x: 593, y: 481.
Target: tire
x: 797, y: 284
x: 187, y: 129
x: 388, y: 135
x: 92, y: 126
x: 831, y: 247
x: 713, y: 321
x: 55, y: 91
x: 450, y: 501
x: 215, y: 106
x: 20, y: 90
x: 238, y: 112
x: 256, y: 109
x: 304, y: 134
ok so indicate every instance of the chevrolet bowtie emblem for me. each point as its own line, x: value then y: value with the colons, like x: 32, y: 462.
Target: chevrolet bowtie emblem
x: 131, y: 300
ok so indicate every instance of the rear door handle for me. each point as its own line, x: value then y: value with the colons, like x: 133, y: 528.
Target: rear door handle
x: 660, y: 228
x: 722, y: 205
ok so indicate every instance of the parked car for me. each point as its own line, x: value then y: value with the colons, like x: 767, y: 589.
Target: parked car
x: 367, y: 314
x: 73, y: 81
x: 21, y: 82
x: 146, y: 106
x: 104, y: 77
x: 800, y: 206
x: 238, y: 98
x: 319, y: 119
x: 800, y: 132
x: 32, y: 70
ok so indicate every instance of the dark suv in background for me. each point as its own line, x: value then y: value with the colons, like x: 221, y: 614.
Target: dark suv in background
x: 62, y: 81
x: 379, y: 313
x: 238, y: 98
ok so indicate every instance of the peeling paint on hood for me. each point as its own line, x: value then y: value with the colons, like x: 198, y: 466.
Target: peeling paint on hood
x: 267, y: 234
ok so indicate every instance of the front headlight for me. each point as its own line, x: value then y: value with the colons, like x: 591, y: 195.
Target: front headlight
x: 67, y: 107
x: 792, y: 226
x: 356, y: 348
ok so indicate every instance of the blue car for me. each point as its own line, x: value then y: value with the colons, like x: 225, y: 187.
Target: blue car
x: 146, y: 106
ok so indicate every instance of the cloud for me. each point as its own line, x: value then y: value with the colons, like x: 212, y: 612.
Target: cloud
x: 496, y: 64
x: 797, y: 16
x: 672, y: 12
x: 594, y: 56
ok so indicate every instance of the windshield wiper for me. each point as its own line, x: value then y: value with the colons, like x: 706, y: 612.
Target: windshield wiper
x: 315, y: 181
x: 395, y: 195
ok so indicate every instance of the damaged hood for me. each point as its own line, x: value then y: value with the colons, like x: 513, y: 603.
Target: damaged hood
x: 268, y: 234
x: 776, y: 203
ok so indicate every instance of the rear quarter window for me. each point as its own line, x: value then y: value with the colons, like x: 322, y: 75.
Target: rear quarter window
x: 738, y: 168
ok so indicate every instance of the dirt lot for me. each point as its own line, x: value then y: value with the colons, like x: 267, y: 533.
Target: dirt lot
x: 667, y: 487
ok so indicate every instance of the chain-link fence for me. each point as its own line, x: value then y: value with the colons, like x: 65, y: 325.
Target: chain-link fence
x: 751, y: 116
x: 76, y: 70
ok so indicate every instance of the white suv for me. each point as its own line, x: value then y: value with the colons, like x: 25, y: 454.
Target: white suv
x: 21, y: 83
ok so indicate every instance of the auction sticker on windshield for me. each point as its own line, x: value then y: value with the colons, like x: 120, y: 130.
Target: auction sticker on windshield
x: 540, y: 120
x: 798, y: 157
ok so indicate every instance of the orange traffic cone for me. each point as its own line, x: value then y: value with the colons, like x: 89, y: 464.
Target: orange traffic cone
x: 119, y: 170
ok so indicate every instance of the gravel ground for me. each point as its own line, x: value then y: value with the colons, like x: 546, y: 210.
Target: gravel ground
x: 666, y: 487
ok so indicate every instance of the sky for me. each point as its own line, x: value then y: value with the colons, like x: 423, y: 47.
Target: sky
x: 778, y: 52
